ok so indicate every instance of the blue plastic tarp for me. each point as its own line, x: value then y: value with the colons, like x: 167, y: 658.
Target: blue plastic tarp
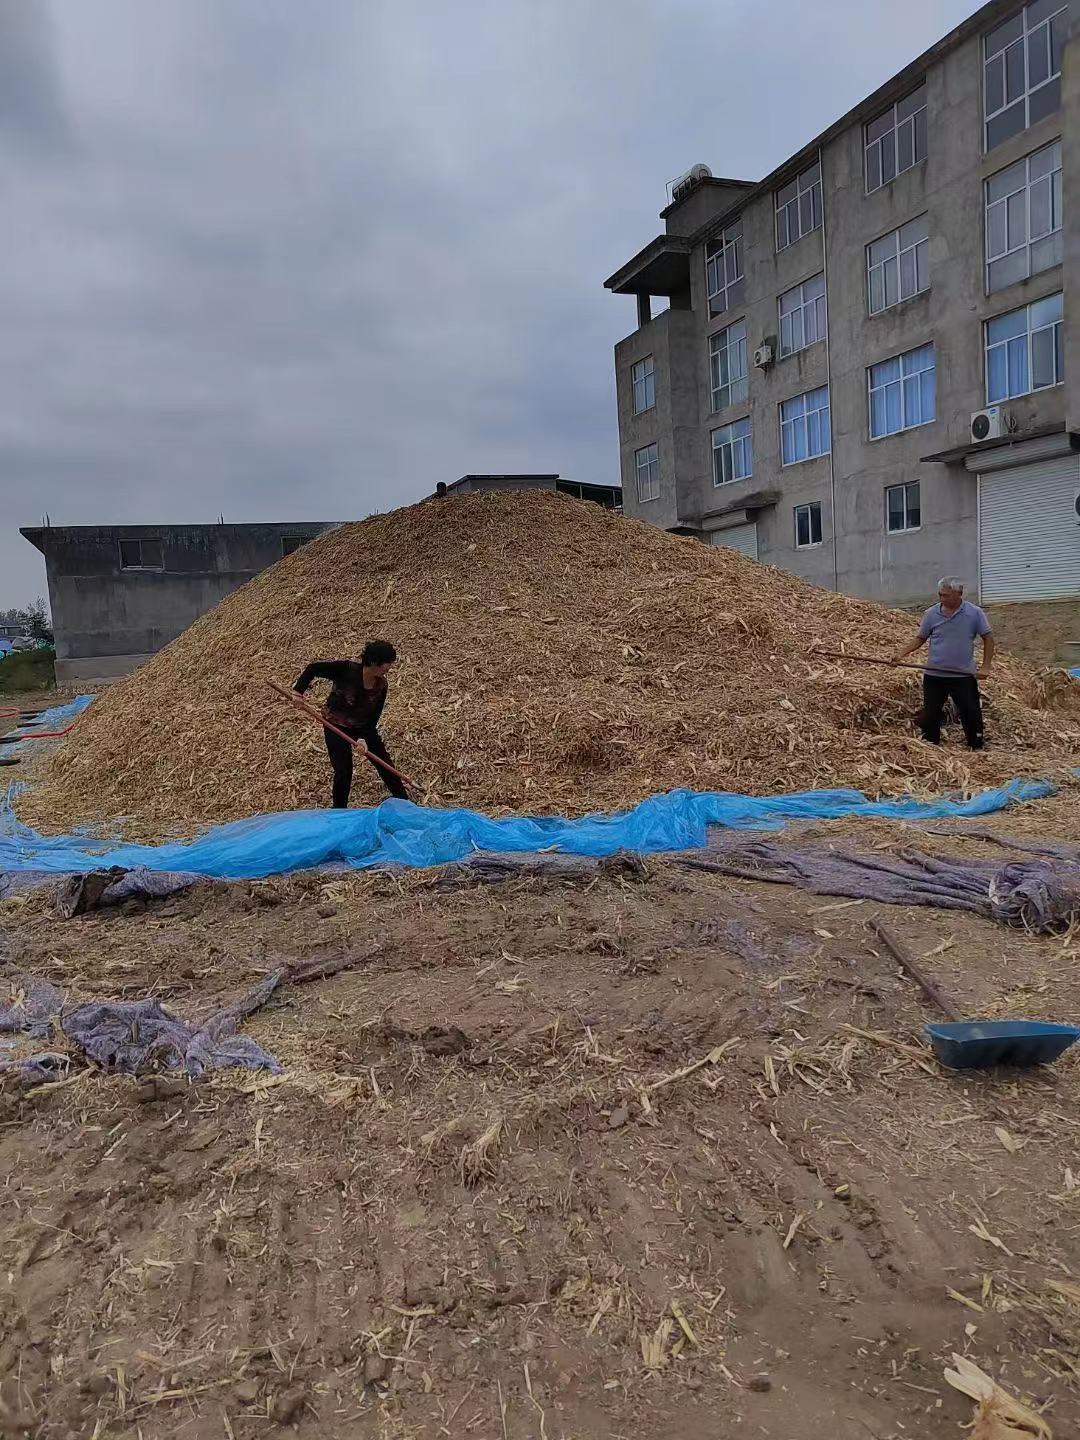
x: 398, y: 832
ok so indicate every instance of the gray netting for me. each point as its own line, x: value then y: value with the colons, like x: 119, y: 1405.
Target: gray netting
x: 1043, y: 896
x: 137, y: 1037
x: 28, y: 1006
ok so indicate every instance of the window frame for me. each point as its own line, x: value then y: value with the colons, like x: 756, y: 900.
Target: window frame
x: 901, y: 377
x: 1029, y: 353
x: 817, y: 205
x: 142, y: 540
x: 734, y: 443
x: 652, y: 464
x: 905, y: 486
x: 648, y: 384
x: 897, y: 257
x: 809, y: 507
x: 1023, y: 39
x: 803, y: 306
x: 738, y: 386
x: 894, y: 136
x: 730, y: 239
x: 1056, y: 200
x: 803, y: 418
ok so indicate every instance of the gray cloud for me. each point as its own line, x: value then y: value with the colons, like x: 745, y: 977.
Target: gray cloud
x: 32, y: 114
x: 305, y: 260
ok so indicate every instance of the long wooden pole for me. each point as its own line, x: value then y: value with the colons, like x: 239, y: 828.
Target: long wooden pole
x: 301, y: 704
x: 876, y: 660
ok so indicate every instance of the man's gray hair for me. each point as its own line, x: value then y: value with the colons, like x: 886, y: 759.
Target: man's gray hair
x: 950, y: 582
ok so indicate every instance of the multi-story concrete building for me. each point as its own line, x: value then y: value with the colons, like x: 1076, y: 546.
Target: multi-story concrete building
x: 868, y: 371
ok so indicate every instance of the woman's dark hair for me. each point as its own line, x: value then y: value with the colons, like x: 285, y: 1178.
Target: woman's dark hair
x: 378, y: 652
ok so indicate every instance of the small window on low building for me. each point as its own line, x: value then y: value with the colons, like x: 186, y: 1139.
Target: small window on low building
x: 141, y: 554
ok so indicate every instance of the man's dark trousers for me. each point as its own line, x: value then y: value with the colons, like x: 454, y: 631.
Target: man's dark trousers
x: 964, y: 692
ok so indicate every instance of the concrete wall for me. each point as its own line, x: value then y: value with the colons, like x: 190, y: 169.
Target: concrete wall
x: 672, y: 422
x: 947, y: 186
x: 701, y: 204
x: 108, y: 619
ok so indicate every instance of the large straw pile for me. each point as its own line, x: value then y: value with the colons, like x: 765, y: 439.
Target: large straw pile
x: 554, y: 657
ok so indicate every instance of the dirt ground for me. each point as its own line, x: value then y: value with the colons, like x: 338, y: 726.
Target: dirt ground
x: 482, y: 1201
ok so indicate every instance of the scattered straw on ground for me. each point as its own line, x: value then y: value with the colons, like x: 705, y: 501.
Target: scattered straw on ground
x: 554, y: 658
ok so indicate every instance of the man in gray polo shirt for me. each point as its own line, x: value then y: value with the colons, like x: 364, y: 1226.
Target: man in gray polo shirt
x: 951, y: 626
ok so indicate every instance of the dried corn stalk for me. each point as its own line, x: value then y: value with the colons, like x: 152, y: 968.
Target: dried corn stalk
x: 999, y: 1415
x: 555, y: 658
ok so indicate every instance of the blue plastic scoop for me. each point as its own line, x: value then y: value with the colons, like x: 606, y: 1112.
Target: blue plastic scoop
x: 979, y: 1044
x: 974, y: 1044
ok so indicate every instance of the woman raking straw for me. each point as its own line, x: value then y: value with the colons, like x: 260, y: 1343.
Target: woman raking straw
x: 355, y: 704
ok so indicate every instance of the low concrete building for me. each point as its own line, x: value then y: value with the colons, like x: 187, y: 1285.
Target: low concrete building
x: 118, y: 593
x: 610, y: 496
x: 870, y: 368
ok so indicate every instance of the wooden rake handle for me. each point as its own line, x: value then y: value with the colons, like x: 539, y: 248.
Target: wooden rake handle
x: 300, y: 703
x: 876, y: 660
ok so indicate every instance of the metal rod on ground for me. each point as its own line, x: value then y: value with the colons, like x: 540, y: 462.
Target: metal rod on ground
x: 876, y: 660
x: 906, y: 963
x: 294, y: 699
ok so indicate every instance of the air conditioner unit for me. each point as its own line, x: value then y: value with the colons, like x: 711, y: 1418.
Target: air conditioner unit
x: 763, y: 355
x: 989, y: 424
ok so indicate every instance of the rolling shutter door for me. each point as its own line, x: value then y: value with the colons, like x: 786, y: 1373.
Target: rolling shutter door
x: 1029, y: 531
x: 739, y: 537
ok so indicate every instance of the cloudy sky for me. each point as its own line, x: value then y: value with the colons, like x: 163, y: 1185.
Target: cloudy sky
x: 300, y: 259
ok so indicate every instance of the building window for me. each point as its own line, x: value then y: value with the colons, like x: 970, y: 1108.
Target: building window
x: 1023, y: 218
x: 731, y: 453
x: 724, y: 269
x: 647, y: 471
x: 141, y: 555
x: 798, y: 207
x: 896, y: 140
x: 289, y: 543
x: 897, y: 265
x: 804, y: 426
x: 1024, y: 350
x: 727, y: 364
x: 802, y: 315
x: 1022, y: 69
x: 643, y: 379
x: 807, y: 525
x: 902, y: 508
x: 902, y: 392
